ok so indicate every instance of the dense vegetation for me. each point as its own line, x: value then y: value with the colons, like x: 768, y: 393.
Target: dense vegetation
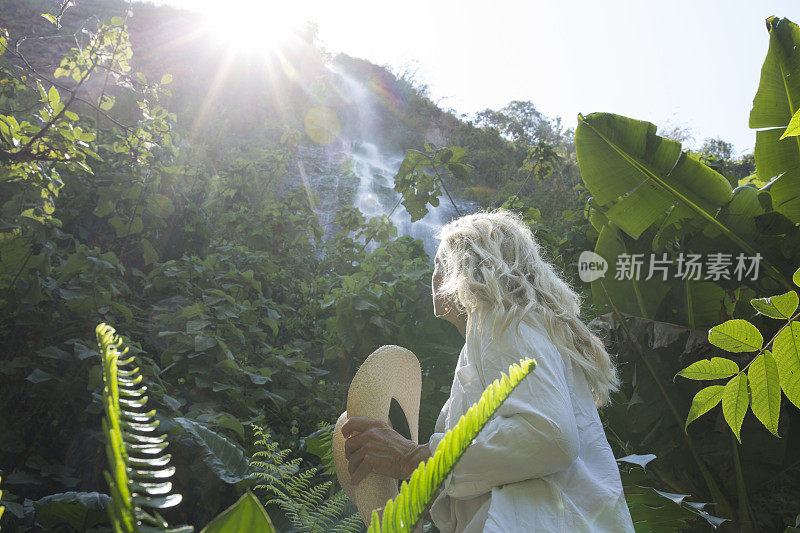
x: 142, y: 188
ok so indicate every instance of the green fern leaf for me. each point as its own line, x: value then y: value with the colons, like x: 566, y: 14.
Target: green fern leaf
x: 137, y: 468
x: 404, y: 512
x: 307, y: 504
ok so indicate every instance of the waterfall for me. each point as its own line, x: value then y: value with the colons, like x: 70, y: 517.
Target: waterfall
x: 356, y: 169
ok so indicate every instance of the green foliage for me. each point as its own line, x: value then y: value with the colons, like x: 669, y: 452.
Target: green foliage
x: 2, y: 509
x: 133, y: 456
x: 778, y: 158
x: 49, y: 138
x: 309, y: 506
x: 247, y: 514
x: 793, y: 129
x: 207, y: 256
x: 668, y: 212
x: 653, y: 510
x: 405, y: 511
x: 769, y: 371
x: 138, y: 468
x: 521, y: 123
x: 419, y: 181
x: 736, y: 335
x: 320, y: 444
x: 646, y: 413
x: 649, y: 196
x: 79, y: 510
x: 673, y: 192
x: 225, y: 458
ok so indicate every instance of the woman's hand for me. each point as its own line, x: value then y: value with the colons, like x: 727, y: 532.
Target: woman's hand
x: 372, y: 446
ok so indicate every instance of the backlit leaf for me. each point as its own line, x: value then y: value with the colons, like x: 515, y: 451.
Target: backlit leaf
x: 247, y: 514
x: 781, y: 306
x: 736, y: 335
x: 735, y: 400
x: 418, y: 493
x: 703, y: 401
x: 793, y: 129
x: 786, y: 351
x: 765, y: 390
x: 716, y: 368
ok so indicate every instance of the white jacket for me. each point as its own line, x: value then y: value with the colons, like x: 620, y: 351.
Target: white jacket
x: 543, y: 462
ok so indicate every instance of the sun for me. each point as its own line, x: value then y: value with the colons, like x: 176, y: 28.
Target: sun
x: 250, y: 25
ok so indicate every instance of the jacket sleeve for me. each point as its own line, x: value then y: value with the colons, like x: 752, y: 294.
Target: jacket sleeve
x: 533, y: 434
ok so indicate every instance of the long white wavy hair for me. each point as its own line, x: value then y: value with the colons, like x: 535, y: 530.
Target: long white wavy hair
x: 490, y: 260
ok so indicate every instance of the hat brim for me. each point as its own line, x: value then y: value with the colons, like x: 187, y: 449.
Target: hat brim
x: 390, y: 372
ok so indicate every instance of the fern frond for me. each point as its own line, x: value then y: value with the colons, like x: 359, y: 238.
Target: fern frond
x: 404, y: 512
x: 138, y: 468
x: 351, y: 524
x: 307, y: 504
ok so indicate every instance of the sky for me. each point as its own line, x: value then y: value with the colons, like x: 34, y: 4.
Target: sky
x: 692, y: 64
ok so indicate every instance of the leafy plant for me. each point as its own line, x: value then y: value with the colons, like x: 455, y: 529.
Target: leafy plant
x: 1, y: 497
x: 650, y: 196
x: 225, y: 458
x: 138, y: 466
x: 653, y: 510
x: 775, y: 103
x: 768, y: 372
x: 419, y: 181
x: 247, y: 514
x: 81, y: 511
x: 640, y: 180
x: 310, y: 507
x: 404, y: 512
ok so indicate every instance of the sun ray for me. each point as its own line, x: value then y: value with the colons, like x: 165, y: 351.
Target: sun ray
x: 213, y: 89
x: 250, y: 25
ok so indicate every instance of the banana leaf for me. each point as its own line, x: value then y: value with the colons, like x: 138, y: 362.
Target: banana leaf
x: 775, y: 102
x: 640, y: 178
x: 633, y: 296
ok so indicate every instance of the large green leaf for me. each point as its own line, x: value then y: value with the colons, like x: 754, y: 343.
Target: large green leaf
x: 635, y: 296
x: 736, y: 335
x: 781, y: 306
x: 702, y: 301
x: 716, y: 368
x: 765, y: 390
x: 735, y: 401
x: 228, y: 460
x: 786, y: 350
x: 775, y: 103
x: 793, y: 129
x: 639, y: 177
x: 80, y: 510
x: 640, y: 180
x: 247, y: 514
x: 655, y: 511
x: 705, y: 400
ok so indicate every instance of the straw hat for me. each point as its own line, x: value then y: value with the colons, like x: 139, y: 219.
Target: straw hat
x: 389, y: 372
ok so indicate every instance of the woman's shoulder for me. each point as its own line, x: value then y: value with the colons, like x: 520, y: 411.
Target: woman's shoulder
x: 513, y: 332
x: 489, y: 347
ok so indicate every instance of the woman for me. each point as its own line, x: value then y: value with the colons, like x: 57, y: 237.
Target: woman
x: 542, y: 463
